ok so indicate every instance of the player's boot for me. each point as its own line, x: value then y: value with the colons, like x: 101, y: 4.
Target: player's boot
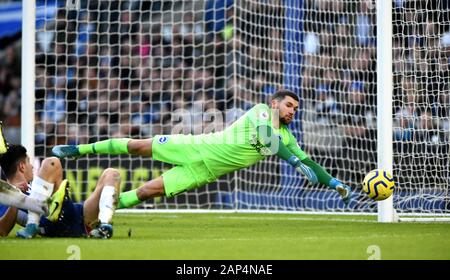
x: 66, y: 151
x: 103, y: 231
x: 30, y: 231
x: 345, y: 192
x: 3, y: 144
x: 57, y: 201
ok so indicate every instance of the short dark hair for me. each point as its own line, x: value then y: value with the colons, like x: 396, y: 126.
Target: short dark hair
x: 12, y: 157
x: 282, y: 93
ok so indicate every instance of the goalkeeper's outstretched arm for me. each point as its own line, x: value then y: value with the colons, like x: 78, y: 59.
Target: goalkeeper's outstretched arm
x: 312, y: 170
x: 276, y: 146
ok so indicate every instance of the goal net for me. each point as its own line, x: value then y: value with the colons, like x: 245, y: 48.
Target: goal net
x: 421, y: 60
x: 108, y: 69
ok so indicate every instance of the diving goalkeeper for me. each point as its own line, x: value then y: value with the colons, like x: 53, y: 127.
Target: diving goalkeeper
x: 202, y: 159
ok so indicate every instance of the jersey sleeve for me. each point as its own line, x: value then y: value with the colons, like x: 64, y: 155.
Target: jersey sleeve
x: 295, y: 148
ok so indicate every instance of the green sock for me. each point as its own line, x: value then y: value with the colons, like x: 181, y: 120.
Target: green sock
x: 128, y: 199
x: 111, y: 146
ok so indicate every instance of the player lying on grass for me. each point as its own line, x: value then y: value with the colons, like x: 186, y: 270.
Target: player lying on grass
x: 201, y: 159
x: 12, y: 195
x: 65, y: 218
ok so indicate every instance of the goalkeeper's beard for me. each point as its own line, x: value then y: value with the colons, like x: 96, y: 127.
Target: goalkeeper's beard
x: 286, y: 120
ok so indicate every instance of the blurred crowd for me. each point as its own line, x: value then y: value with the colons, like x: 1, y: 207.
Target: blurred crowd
x: 120, y: 68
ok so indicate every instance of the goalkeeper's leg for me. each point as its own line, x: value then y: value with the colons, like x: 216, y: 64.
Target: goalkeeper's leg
x: 118, y: 146
x: 153, y: 188
x: 174, y: 181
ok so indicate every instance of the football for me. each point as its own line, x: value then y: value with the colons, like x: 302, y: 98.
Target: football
x: 378, y: 184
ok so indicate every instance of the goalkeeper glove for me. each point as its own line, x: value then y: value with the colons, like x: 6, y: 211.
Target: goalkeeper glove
x: 344, y: 191
x: 303, y: 169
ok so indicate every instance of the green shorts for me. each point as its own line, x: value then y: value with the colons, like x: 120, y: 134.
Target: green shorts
x: 189, y: 172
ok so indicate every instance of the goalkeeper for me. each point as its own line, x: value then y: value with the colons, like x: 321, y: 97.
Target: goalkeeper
x: 201, y: 159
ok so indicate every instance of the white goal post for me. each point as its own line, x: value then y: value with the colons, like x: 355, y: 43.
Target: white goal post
x: 384, y: 101
x: 28, y: 75
x: 372, y: 76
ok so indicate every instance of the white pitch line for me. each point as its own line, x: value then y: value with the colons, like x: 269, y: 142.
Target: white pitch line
x: 299, y: 219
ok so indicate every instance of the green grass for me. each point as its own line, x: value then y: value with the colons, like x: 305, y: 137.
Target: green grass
x: 246, y: 237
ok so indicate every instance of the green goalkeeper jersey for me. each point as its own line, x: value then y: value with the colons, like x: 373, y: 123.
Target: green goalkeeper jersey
x: 238, y: 146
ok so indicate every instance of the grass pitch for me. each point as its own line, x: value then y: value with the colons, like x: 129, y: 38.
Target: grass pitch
x: 219, y: 236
